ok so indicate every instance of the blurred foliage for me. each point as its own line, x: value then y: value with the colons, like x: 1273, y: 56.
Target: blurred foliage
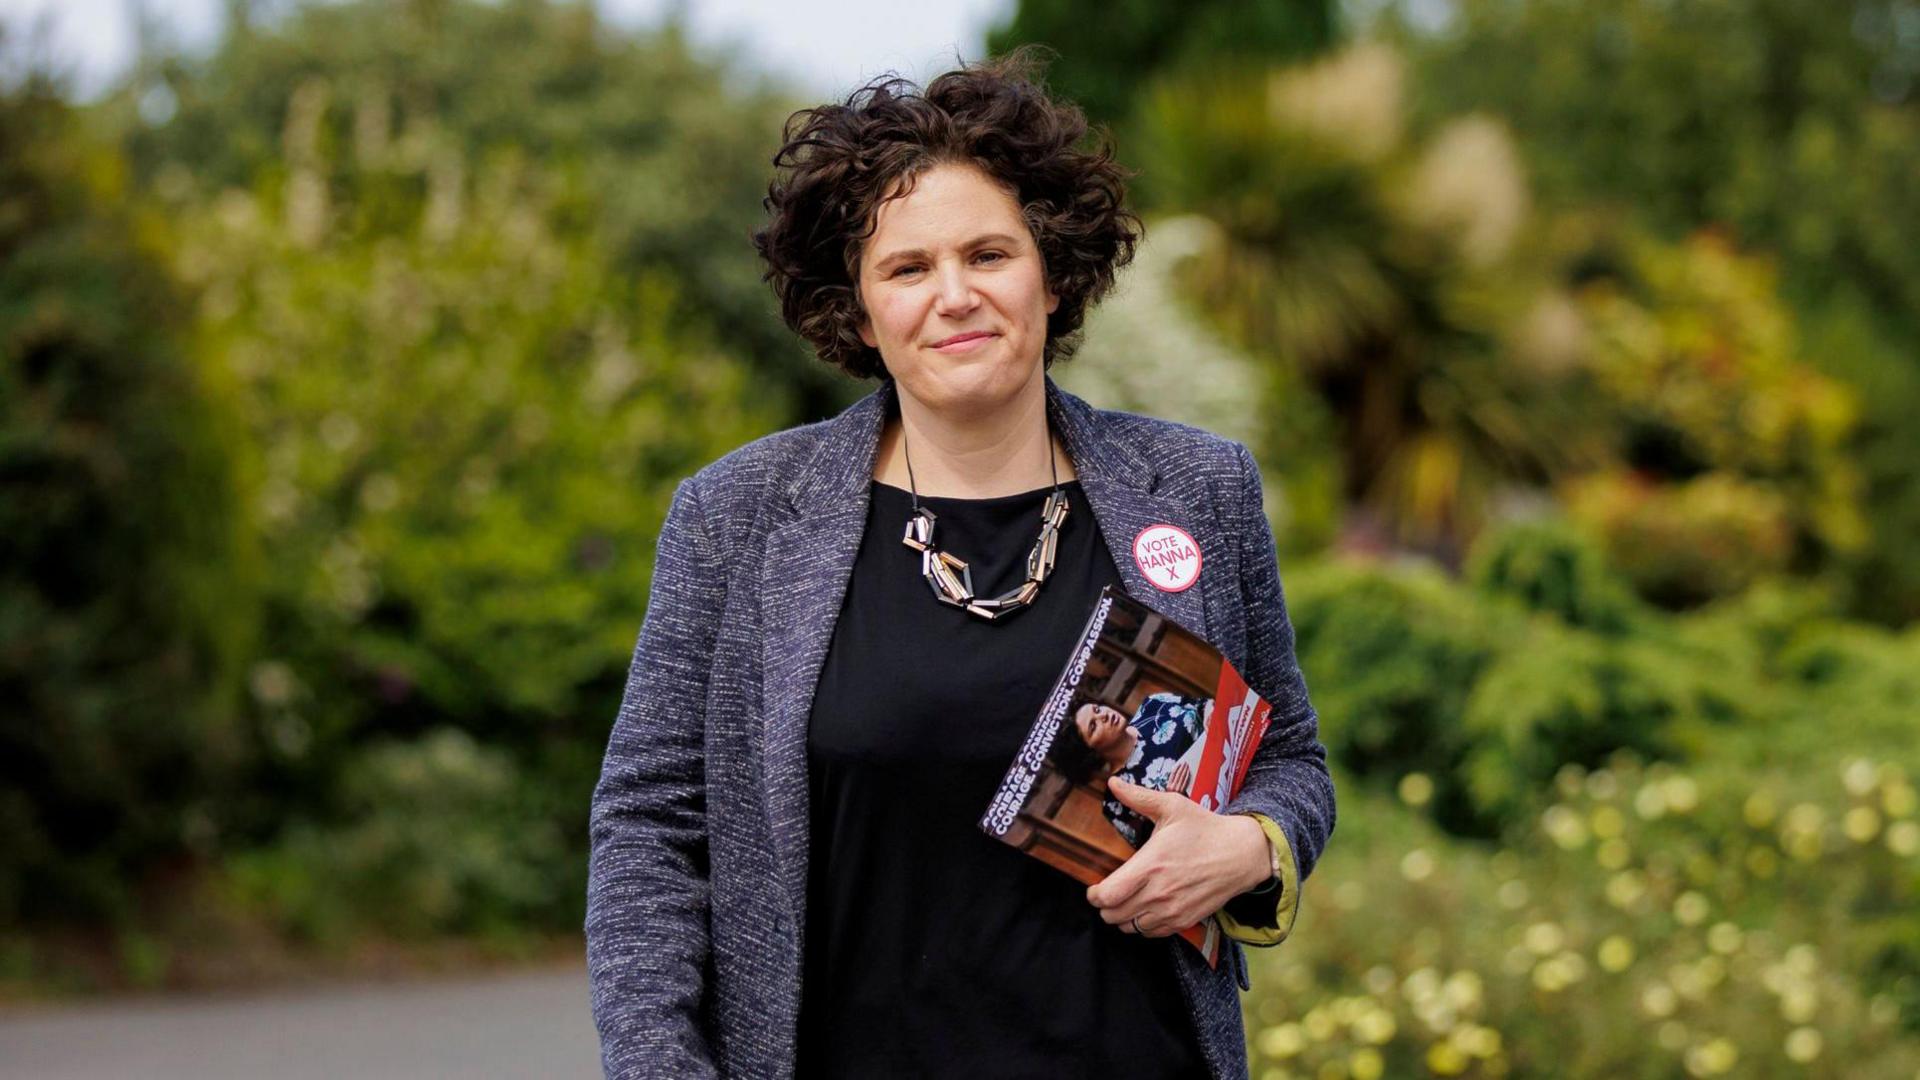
x: 1489, y: 686
x: 458, y: 503
x: 439, y: 838
x: 1122, y: 364
x: 1794, y: 127
x: 1731, y: 455
x: 1380, y: 272
x: 669, y: 148
x: 1108, y: 51
x: 450, y: 414
x: 128, y: 580
x: 1648, y: 922
x: 1551, y: 566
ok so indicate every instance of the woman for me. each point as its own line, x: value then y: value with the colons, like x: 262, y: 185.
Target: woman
x: 852, y: 623
x: 1158, y: 749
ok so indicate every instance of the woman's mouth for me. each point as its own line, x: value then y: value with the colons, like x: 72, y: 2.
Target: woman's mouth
x: 964, y: 343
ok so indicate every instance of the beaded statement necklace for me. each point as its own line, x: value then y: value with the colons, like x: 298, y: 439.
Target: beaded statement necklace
x: 949, y: 577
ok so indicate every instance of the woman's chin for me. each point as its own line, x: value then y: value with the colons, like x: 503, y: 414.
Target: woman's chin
x: 985, y: 377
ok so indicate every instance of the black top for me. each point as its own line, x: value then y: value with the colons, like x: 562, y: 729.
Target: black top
x: 933, y: 949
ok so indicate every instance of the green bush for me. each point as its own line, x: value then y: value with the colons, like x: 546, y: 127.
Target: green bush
x: 1549, y: 565
x: 129, y: 589
x: 1414, y: 672
x: 1391, y: 657
x: 435, y: 837
x: 1650, y: 922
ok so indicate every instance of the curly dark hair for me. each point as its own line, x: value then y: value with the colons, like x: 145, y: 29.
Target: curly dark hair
x: 843, y: 161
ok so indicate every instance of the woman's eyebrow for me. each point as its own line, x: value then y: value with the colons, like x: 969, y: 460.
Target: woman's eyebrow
x: 917, y: 253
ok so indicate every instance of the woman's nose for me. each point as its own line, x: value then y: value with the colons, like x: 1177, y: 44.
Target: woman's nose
x: 956, y: 293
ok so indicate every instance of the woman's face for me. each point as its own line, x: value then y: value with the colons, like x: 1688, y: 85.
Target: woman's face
x: 1106, y: 731
x: 953, y: 258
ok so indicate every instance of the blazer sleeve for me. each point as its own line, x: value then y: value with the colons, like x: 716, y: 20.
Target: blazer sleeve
x: 1287, y: 780
x: 647, y: 885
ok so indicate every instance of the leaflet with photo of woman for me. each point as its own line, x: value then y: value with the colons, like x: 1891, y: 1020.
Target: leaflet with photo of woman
x: 1143, y: 698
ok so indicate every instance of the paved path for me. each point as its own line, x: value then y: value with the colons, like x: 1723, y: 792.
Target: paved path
x: 524, y: 1025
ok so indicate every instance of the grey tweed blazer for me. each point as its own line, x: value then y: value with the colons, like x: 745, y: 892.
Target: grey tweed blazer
x: 697, y: 880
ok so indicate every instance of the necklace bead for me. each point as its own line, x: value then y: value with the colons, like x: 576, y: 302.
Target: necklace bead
x: 952, y: 580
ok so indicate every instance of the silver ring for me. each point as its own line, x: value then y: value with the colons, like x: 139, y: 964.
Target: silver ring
x: 1136, y: 925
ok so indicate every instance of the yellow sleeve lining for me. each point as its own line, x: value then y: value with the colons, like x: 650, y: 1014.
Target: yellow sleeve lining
x: 1288, y: 904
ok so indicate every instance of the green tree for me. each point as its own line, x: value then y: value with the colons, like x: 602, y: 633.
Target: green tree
x: 128, y: 583
x: 1108, y: 52
x: 1381, y: 272
x: 671, y: 148
x: 1794, y: 126
x: 468, y: 424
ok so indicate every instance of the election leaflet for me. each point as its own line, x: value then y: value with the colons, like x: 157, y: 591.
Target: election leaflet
x: 1141, y: 697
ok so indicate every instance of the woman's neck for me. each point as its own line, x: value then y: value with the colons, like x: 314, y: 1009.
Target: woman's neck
x: 980, y: 456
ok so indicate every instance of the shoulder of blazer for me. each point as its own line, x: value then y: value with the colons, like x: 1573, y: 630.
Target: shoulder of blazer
x: 739, y: 486
x: 1191, y: 465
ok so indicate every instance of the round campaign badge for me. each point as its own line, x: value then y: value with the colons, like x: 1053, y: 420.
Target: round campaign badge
x: 1168, y: 557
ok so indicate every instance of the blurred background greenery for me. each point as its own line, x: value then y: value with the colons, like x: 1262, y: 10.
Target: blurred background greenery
x: 350, y: 363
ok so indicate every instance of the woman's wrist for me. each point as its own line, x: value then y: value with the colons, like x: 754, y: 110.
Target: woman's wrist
x: 1259, y: 860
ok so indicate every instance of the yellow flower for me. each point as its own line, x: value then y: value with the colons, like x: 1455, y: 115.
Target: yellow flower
x: 1690, y: 908
x: 1544, y: 937
x: 1462, y: 990
x: 1445, y: 1059
x: 1899, y: 799
x: 1712, y: 1058
x: 1859, y: 777
x: 1606, y: 821
x: 1724, y: 937
x: 1476, y: 1040
x: 1803, y: 959
x: 1416, y: 789
x: 1565, y: 827
x: 1613, y: 854
x: 1682, y: 794
x: 1626, y: 888
x: 1650, y: 801
x: 1602, y: 784
x: 1376, y: 1027
x: 1799, y: 1003
x: 1615, y: 954
x: 1282, y: 1041
x: 1658, y: 1000
x: 1416, y: 865
x: 1904, y: 838
x: 1803, y: 1045
x: 1365, y: 1064
x: 1862, y: 824
x: 1760, y: 810
x: 1380, y: 980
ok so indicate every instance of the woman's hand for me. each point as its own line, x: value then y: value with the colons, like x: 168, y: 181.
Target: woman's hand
x: 1195, y: 861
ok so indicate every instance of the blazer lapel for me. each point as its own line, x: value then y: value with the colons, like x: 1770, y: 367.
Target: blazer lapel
x: 809, y: 560
x: 1121, y: 485
x: 804, y: 575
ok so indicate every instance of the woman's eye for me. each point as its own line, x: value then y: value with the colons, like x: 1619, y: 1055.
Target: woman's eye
x: 995, y: 254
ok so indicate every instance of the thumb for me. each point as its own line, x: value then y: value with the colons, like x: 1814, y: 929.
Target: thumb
x: 1156, y: 805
